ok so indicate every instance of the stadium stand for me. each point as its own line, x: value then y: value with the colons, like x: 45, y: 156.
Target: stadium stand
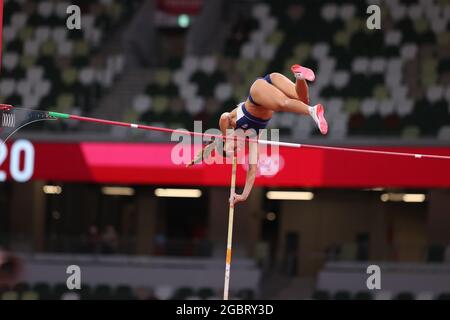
x: 44, y: 291
x: 45, y: 65
x: 403, y: 93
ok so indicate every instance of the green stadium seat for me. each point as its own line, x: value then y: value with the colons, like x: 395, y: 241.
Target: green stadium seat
x: 10, y: 295
x: 321, y: 295
x: 124, y: 293
x: 43, y: 290
x: 443, y: 296
x: 29, y: 295
x: 21, y: 287
x: 205, y: 293
x: 246, y: 294
x: 183, y: 293
x: 58, y: 290
x: 102, y: 292
x: 86, y: 292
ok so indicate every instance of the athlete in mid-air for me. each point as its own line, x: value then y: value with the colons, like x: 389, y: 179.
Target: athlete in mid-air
x: 272, y: 93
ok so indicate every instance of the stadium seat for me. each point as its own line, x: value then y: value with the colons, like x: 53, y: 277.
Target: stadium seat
x: 342, y: 295
x: 383, y: 295
x: 183, y: 293
x: 321, y: 295
x: 43, y: 290
x: 164, y: 292
x: 10, y: 295
x: 443, y: 296
x: 124, y: 292
x: 21, y: 287
x: 444, y: 133
x: 246, y: 294
x: 70, y: 295
x: 102, y: 292
x: 85, y: 292
x: 363, y: 295
x: 425, y: 296
x: 58, y: 290
x: 3, y: 289
x: 29, y: 295
x: 205, y: 293
x: 404, y: 296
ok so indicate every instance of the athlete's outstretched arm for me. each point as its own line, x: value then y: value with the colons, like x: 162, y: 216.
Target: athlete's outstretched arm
x: 251, y: 175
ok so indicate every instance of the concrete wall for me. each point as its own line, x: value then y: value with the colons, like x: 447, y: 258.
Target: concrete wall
x: 247, y: 222
x: 141, y: 271
x: 336, y: 217
x: 438, y: 226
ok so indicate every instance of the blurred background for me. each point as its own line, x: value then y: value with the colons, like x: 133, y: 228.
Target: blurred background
x: 140, y: 227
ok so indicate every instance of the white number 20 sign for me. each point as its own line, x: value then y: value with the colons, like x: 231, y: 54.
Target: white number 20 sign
x: 18, y: 173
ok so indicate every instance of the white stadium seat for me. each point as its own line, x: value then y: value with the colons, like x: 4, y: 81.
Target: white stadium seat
x: 320, y: 50
x: 208, y: 64
x: 329, y: 12
x: 444, y: 133
x: 369, y: 107
x: 393, y: 38
x: 10, y: 60
x: 387, y: 107
x: 7, y: 87
x: 360, y: 65
x: 142, y: 103
x: 223, y: 91
x: 347, y: 11
x: 408, y: 51
x: 248, y: 51
x: 383, y: 295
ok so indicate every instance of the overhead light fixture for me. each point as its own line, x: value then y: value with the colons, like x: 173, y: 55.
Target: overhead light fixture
x: 414, y: 197
x: 118, y: 191
x: 290, y: 195
x: 403, y: 197
x: 374, y: 189
x: 48, y: 189
x: 178, y: 193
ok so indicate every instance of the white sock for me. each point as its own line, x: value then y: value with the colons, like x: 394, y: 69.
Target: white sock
x: 299, y: 76
x: 312, y: 111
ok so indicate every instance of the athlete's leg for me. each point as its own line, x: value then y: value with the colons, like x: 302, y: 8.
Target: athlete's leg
x: 270, y: 97
x: 298, y: 91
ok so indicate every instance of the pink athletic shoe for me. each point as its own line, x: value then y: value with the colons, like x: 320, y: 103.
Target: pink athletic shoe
x: 303, y: 72
x: 319, y: 117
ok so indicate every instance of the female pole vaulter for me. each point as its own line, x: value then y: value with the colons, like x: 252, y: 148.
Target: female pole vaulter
x: 272, y: 93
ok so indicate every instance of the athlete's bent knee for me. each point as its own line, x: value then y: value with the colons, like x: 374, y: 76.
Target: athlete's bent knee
x: 275, y: 75
x: 281, y: 105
